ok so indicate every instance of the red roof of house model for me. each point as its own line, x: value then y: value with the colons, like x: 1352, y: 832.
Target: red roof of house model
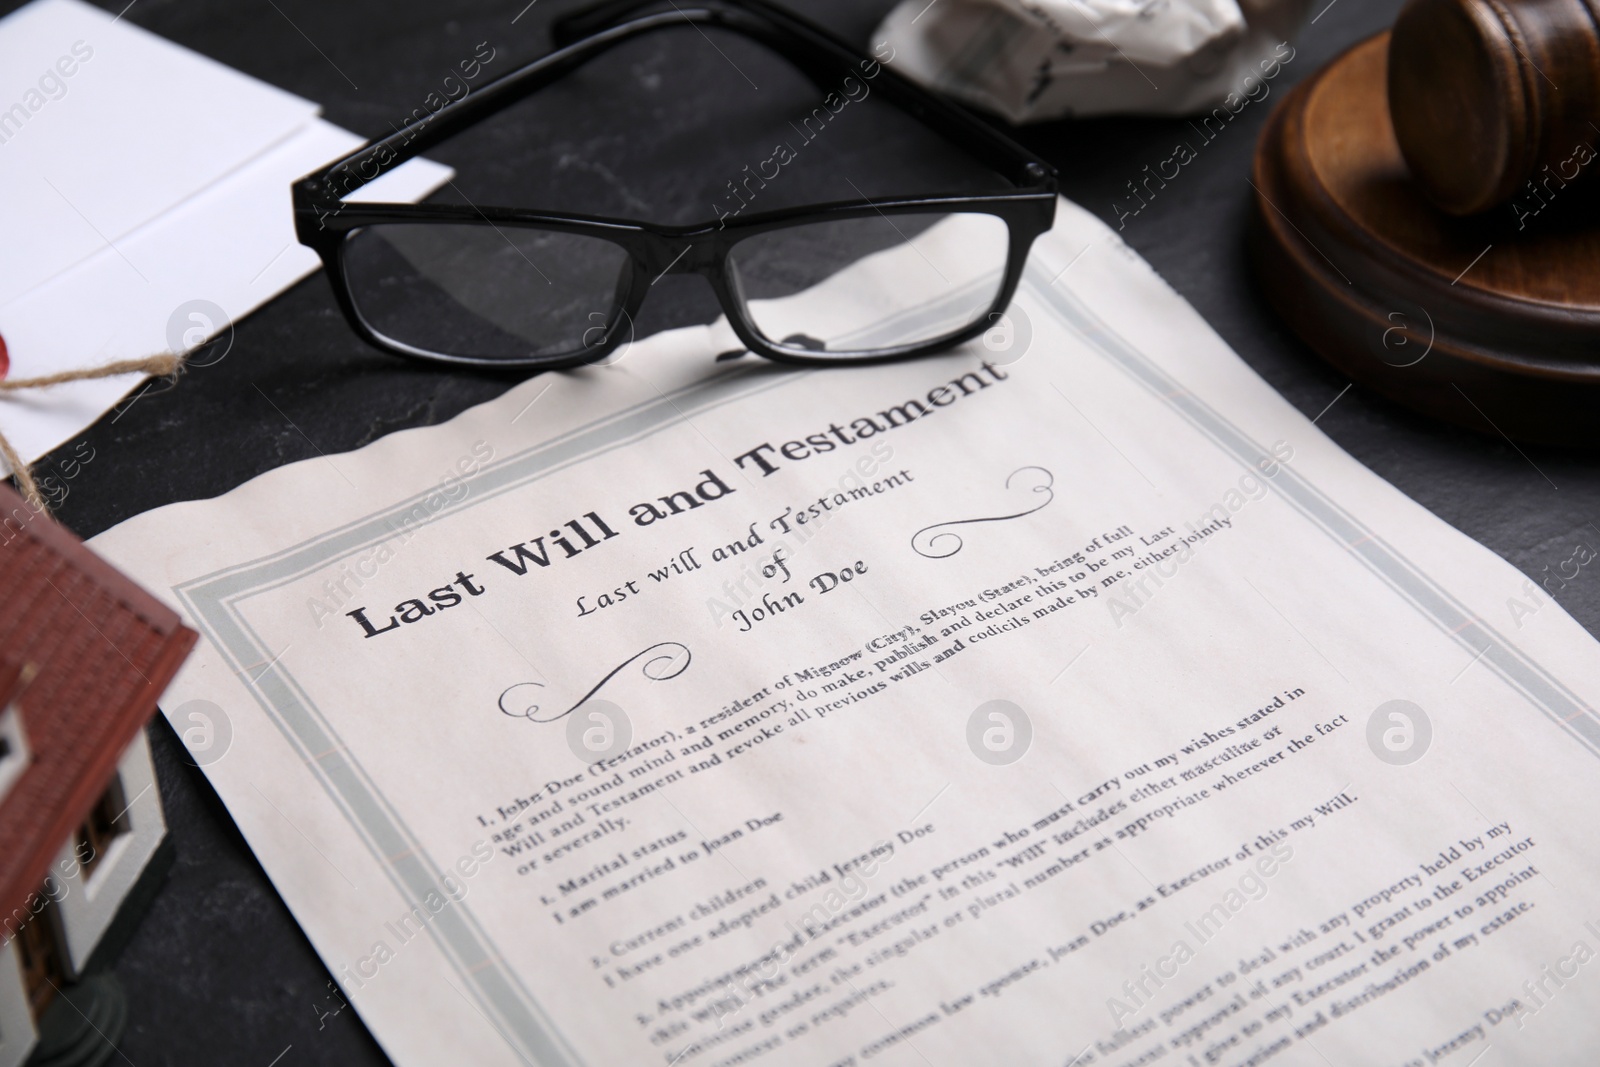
x: 84, y: 653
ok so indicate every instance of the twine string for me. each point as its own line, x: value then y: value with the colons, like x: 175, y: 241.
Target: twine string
x: 164, y: 365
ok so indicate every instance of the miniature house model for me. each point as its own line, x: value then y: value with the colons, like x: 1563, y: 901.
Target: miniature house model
x: 84, y: 653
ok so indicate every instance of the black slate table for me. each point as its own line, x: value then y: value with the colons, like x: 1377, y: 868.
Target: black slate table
x: 218, y: 972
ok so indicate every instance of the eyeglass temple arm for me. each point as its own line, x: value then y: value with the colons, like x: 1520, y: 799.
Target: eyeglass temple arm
x: 825, y: 60
x: 344, y: 176
x: 807, y: 47
x: 596, y: 18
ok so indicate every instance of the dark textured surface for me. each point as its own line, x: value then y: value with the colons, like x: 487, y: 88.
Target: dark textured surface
x: 218, y: 972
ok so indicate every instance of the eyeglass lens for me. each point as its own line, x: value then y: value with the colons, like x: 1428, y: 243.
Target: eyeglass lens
x: 859, y: 286
x: 847, y: 287
x: 486, y: 291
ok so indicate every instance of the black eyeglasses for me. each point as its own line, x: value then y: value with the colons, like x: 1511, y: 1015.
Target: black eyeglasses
x: 851, y: 281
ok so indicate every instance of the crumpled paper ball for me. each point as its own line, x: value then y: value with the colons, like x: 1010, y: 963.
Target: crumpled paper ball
x: 1035, y: 60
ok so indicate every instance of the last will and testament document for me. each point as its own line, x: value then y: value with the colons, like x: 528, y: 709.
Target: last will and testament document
x: 1065, y: 699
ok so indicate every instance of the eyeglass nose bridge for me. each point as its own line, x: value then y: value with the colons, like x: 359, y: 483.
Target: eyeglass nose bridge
x: 700, y: 253
x: 703, y: 252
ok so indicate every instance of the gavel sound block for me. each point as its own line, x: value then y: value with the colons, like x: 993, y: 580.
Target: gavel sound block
x: 1489, y: 320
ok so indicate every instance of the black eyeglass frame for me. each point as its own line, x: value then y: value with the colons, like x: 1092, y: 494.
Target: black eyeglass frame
x: 324, y: 222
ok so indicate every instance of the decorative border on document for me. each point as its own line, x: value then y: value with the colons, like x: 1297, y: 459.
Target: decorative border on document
x: 1431, y: 599
x: 213, y: 602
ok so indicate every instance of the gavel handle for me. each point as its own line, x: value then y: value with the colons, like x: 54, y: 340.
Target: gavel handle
x: 1487, y: 96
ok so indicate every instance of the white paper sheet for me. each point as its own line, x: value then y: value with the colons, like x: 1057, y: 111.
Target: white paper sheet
x: 137, y: 126
x: 144, y: 196
x: 1036, y: 703
x: 229, y: 249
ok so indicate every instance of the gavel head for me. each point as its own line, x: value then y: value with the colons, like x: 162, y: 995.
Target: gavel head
x: 1484, y: 94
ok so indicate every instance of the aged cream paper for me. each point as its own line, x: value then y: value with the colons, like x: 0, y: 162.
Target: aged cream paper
x: 1068, y: 699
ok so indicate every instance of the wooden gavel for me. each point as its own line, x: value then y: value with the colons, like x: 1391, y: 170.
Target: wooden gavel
x: 1488, y: 96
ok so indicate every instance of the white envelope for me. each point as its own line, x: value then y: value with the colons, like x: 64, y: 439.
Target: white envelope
x: 104, y: 126
x: 144, y: 198
x: 232, y: 246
